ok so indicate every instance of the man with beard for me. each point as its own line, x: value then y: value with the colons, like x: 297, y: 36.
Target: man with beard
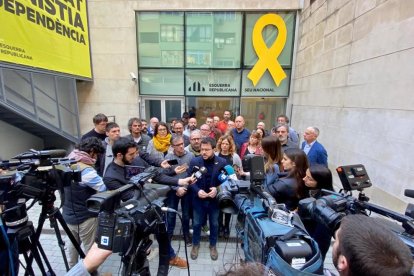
x: 142, y: 140
x: 192, y: 125
x: 282, y: 133
x: 195, y: 142
x: 223, y: 125
x: 204, y: 192
x: 125, y: 153
x: 363, y: 246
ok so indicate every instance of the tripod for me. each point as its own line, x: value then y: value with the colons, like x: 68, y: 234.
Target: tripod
x: 54, y: 215
x: 27, y: 242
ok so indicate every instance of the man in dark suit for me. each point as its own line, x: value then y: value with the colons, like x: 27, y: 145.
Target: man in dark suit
x: 204, y: 192
x: 314, y: 150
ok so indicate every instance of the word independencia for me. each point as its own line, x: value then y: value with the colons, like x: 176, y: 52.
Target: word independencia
x: 17, y: 8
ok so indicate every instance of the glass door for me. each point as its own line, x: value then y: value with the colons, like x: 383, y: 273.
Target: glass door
x: 164, y: 109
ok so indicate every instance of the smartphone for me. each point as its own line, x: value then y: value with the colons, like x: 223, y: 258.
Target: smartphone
x: 173, y: 162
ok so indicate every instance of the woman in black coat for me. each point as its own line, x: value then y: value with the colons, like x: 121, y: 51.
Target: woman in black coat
x: 290, y: 188
x: 318, y: 177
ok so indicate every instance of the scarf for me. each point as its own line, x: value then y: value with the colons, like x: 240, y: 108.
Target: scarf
x: 81, y: 156
x: 162, y: 144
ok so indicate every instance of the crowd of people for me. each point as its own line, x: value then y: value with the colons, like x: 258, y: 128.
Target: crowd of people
x: 293, y: 171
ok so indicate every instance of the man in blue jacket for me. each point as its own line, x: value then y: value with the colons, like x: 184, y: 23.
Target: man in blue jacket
x: 314, y: 150
x: 204, y: 195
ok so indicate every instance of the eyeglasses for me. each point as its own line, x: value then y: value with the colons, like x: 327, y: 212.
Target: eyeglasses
x: 178, y: 145
x: 162, y: 129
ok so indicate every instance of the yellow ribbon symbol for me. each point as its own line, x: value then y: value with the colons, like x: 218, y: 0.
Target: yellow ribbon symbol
x: 267, y: 57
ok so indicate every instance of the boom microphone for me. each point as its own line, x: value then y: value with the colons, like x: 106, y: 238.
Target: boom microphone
x: 41, y: 154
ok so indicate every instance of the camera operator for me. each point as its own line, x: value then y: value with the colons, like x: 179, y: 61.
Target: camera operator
x: 81, y: 222
x: 125, y: 153
x: 365, y: 247
x: 205, y: 191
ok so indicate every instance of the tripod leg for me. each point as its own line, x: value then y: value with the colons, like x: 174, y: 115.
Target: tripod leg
x: 29, y: 269
x: 61, y: 243
x: 59, y: 217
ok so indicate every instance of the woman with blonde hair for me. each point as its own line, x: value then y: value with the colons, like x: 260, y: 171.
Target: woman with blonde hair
x: 226, y: 149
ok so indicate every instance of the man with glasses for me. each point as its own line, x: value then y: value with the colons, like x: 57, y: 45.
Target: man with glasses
x: 178, y: 193
x: 195, y: 143
x: 142, y: 140
x: 99, y: 131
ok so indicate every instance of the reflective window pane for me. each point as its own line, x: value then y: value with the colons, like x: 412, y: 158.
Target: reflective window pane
x: 172, y: 109
x: 266, y: 85
x: 45, y: 97
x: 265, y: 110
x: 212, y: 83
x: 269, y: 35
x: 210, y: 106
x: 160, y: 39
x: 213, y: 39
x: 18, y: 90
x: 161, y: 82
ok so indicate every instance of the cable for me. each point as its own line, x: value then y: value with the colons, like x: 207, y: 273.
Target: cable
x: 6, y: 240
x: 170, y: 210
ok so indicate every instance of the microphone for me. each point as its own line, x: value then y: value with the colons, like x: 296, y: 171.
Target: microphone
x: 409, y: 193
x: 230, y: 172
x: 41, y: 154
x: 168, y: 210
x: 199, y: 172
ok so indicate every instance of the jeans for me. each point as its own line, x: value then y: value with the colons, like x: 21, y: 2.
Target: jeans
x: 172, y: 202
x: 201, y: 209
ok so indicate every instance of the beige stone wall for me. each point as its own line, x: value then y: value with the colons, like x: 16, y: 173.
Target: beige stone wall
x: 114, y: 51
x: 354, y: 80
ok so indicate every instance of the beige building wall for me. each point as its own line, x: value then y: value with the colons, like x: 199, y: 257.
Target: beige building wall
x: 354, y: 80
x: 114, y: 51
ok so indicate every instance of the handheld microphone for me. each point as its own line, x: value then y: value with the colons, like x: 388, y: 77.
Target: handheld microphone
x: 230, y: 172
x: 41, y: 154
x: 199, y: 172
x: 409, y: 193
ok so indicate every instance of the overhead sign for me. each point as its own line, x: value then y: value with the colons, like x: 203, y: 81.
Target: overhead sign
x: 267, y: 57
x: 215, y: 83
x: 46, y: 34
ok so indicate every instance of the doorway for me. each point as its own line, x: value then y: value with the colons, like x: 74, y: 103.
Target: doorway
x: 164, y: 109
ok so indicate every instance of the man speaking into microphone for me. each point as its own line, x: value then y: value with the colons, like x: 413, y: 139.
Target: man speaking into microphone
x: 204, y: 195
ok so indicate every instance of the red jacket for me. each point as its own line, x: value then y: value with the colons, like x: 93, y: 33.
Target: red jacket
x: 259, y: 150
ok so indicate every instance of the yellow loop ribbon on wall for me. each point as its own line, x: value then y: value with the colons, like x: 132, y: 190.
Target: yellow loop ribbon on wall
x: 267, y: 57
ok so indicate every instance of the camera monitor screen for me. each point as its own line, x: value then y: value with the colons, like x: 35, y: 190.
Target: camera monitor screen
x: 131, y: 171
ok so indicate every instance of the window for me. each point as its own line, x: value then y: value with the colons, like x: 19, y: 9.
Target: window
x: 172, y: 33
x: 149, y: 37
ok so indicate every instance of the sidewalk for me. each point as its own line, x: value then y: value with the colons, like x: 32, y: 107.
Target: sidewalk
x: 230, y: 253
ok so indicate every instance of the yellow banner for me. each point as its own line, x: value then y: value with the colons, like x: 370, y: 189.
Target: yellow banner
x: 46, y: 34
x: 267, y: 57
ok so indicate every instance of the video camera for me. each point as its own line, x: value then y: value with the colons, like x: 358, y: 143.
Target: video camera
x: 124, y: 228
x: 33, y: 175
x: 270, y: 234
x: 331, y: 208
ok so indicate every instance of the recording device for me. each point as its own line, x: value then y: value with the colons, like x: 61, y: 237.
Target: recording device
x: 353, y: 177
x: 270, y: 234
x: 198, y: 172
x: 131, y: 171
x: 172, y: 162
x: 331, y: 208
x: 125, y: 227
x: 37, y: 175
